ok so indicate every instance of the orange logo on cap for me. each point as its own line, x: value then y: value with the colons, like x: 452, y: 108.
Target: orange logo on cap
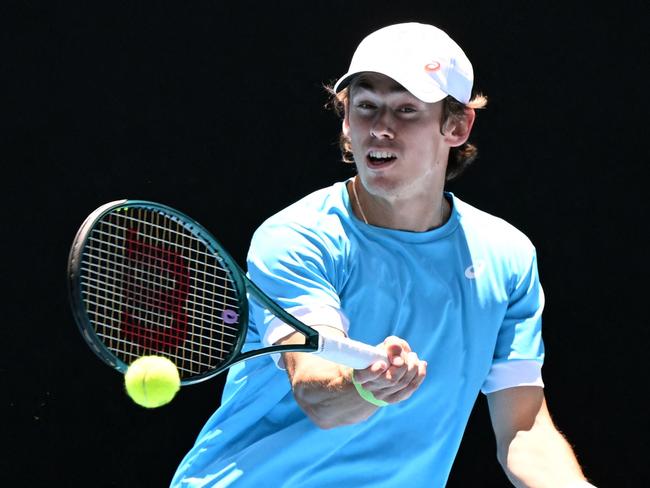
x: 432, y: 66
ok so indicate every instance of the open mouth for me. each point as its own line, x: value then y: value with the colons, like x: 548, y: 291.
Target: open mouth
x: 380, y: 158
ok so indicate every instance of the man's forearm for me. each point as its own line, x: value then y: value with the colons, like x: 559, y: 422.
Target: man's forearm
x: 328, y: 398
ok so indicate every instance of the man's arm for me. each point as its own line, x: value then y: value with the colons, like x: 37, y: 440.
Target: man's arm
x: 325, y: 392
x: 530, y: 449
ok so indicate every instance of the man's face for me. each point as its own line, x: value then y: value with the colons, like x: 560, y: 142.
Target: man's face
x: 396, y: 141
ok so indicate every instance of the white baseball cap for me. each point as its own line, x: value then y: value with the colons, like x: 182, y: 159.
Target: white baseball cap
x: 420, y: 57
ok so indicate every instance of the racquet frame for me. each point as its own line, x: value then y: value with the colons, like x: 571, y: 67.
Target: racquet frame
x: 239, y: 280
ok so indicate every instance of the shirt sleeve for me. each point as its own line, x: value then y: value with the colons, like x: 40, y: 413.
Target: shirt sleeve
x: 294, y: 268
x: 519, y: 351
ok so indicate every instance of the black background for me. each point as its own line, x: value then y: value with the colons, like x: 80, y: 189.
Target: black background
x: 216, y: 108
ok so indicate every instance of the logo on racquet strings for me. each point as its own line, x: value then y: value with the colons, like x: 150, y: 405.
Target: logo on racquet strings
x: 230, y: 316
x: 157, y: 282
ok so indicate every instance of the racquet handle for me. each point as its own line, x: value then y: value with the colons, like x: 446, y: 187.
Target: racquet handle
x: 349, y: 352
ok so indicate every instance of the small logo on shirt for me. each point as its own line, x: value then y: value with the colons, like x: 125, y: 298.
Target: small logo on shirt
x: 432, y: 66
x: 475, y: 270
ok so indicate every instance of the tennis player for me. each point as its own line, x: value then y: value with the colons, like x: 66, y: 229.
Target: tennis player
x: 389, y: 257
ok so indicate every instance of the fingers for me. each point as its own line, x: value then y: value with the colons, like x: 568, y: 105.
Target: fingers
x: 396, y: 348
x: 398, y: 380
x: 410, y: 374
x: 399, y: 395
x: 373, y: 373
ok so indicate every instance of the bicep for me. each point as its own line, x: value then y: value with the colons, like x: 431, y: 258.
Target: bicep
x: 517, y: 409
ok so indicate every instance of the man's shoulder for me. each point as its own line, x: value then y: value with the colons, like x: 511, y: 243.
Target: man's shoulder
x: 317, y: 217
x: 325, y: 204
x: 489, y: 227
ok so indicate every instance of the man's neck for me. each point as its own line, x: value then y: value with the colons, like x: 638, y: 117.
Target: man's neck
x: 415, y: 214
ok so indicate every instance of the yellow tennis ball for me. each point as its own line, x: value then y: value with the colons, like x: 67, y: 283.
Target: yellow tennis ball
x: 152, y: 381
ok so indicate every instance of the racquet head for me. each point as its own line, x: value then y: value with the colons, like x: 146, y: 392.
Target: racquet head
x: 145, y: 279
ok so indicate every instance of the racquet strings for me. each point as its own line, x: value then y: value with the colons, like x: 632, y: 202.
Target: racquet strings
x: 150, y: 286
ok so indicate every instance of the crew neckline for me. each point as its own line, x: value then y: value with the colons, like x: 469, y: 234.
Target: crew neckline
x: 404, y: 235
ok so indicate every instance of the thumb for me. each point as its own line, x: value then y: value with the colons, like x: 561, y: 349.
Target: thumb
x: 394, y: 352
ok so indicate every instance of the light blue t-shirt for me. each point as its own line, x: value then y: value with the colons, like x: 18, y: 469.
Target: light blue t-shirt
x: 465, y: 296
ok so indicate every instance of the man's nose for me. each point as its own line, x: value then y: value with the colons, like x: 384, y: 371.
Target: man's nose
x: 382, y: 126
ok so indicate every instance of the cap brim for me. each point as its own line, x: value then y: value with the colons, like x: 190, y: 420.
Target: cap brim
x: 344, y: 81
x: 427, y: 96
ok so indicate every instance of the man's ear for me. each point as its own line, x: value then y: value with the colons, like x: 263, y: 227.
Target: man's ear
x: 345, y: 126
x: 457, y: 129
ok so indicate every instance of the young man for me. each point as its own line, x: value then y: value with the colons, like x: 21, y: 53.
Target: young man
x: 388, y: 257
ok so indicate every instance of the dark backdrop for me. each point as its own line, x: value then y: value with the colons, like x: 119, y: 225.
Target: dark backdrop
x: 216, y: 108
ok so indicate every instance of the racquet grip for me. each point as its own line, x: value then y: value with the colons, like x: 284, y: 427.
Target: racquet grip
x: 349, y: 352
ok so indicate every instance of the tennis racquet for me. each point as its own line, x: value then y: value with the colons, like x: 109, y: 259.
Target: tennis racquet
x: 146, y: 279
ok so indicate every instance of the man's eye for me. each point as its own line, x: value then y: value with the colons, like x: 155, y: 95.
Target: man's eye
x: 407, y: 110
x: 365, y: 105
